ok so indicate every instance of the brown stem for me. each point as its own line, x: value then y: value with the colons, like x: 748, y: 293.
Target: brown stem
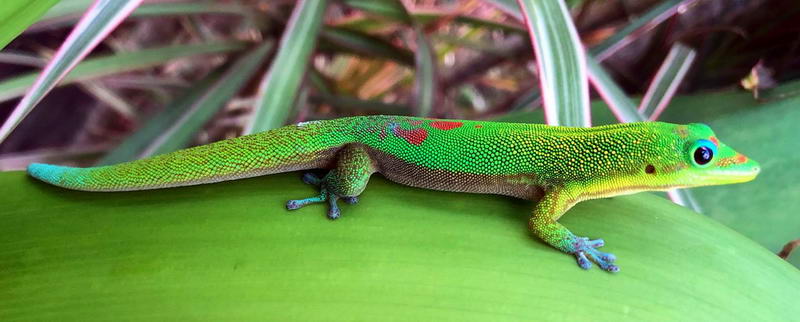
x: 788, y: 248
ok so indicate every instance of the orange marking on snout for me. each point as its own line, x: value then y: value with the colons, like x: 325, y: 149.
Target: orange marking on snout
x: 739, y: 158
x: 714, y: 139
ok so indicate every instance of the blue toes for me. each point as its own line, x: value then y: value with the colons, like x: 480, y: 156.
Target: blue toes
x: 334, y: 214
x: 292, y: 205
x: 331, y: 198
x: 333, y: 208
x: 583, y: 262
x: 604, y: 260
x: 595, y: 243
x: 585, y: 252
x: 325, y: 195
x: 300, y: 203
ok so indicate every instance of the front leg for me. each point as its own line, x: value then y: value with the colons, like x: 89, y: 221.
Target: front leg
x: 543, y: 224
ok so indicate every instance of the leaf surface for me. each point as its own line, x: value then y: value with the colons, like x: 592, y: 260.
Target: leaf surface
x: 231, y: 251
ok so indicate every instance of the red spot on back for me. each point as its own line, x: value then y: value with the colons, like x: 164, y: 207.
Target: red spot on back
x: 714, y: 139
x: 415, y: 136
x: 478, y: 126
x: 446, y: 125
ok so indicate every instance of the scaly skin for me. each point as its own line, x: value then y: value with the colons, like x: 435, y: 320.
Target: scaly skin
x: 556, y: 166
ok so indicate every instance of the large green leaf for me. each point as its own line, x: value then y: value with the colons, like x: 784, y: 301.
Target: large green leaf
x: 230, y: 251
x: 16, y: 15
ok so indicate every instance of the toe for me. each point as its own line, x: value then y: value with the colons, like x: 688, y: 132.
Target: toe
x: 595, y: 243
x: 293, y: 204
x: 583, y: 262
x: 606, y: 266
x: 586, y: 253
x: 608, y: 256
x: 604, y: 260
x: 334, y: 214
x: 350, y: 200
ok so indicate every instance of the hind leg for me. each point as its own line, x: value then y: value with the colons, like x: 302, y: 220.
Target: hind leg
x: 346, y: 181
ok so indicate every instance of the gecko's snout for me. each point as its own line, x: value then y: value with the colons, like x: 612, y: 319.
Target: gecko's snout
x: 738, y: 168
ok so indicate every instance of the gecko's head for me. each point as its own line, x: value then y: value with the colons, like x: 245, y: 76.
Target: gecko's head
x: 703, y: 160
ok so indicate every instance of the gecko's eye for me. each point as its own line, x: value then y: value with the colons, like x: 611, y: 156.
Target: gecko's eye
x: 703, y: 152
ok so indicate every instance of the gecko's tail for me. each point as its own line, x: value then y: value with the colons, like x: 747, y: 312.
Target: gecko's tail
x: 49, y: 173
x: 290, y: 148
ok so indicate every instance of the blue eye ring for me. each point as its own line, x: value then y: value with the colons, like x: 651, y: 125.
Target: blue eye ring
x: 702, y: 152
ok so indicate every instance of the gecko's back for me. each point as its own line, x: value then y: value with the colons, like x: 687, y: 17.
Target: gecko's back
x: 504, y: 158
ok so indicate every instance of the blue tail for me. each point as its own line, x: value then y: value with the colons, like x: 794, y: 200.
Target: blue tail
x: 49, y: 173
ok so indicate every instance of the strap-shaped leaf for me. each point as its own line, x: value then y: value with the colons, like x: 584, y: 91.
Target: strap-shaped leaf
x: 67, y: 12
x: 618, y: 102
x: 560, y: 58
x: 112, y: 64
x: 425, y: 84
x: 641, y: 24
x: 280, y: 85
x: 366, y: 44
x: 173, y: 128
x: 666, y: 81
x: 98, y: 22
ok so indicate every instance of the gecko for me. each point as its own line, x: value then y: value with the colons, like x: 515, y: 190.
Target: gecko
x: 553, y: 166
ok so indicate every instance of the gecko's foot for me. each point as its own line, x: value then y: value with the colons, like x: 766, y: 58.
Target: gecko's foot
x: 586, y: 252
x: 325, y: 195
x: 300, y: 203
x: 350, y: 200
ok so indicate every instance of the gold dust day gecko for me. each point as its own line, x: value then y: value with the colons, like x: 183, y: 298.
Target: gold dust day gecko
x: 555, y: 166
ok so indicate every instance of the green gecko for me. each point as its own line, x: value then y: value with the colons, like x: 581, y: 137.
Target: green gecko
x: 555, y: 166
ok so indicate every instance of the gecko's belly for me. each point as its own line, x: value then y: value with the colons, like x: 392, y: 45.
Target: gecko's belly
x: 394, y: 169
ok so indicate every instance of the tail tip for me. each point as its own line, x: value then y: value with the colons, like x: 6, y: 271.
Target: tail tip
x: 46, y: 172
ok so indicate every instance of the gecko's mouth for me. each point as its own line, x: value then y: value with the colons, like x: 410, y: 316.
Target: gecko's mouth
x: 738, y: 173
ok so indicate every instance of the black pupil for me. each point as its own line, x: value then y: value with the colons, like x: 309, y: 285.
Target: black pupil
x: 703, y: 155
